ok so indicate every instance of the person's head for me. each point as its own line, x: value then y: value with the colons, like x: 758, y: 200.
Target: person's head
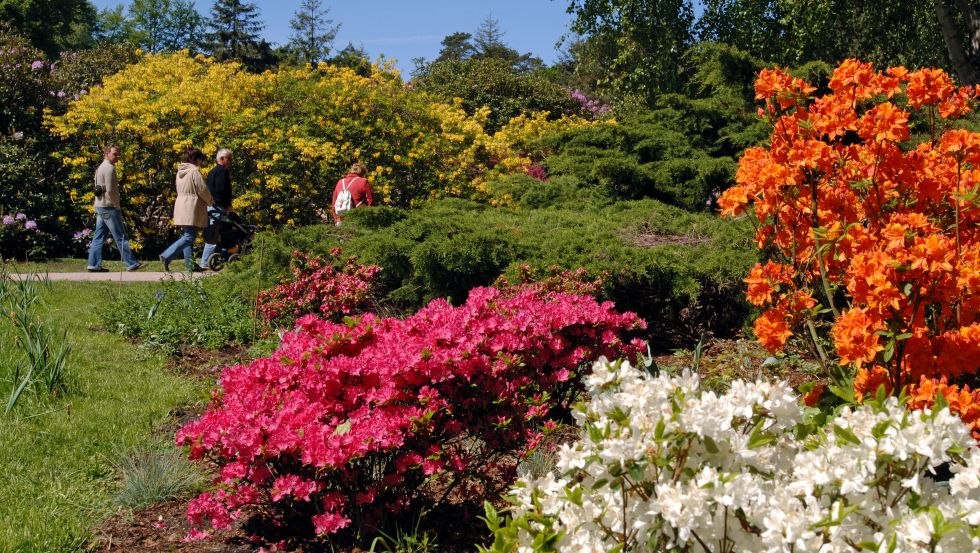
x: 193, y: 155
x: 223, y: 157
x: 358, y: 169
x: 111, y: 153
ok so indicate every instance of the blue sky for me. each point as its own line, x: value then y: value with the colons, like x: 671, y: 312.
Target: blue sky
x: 407, y: 29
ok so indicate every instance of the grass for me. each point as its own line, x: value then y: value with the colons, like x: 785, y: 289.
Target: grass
x: 57, y: 461
x: 155, y: 473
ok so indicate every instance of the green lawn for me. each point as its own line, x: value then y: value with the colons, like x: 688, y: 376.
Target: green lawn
x: 56, y: 459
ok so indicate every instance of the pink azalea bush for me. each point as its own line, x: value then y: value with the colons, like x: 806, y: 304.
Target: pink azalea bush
x: 318, y: 287
x: 355, y: 421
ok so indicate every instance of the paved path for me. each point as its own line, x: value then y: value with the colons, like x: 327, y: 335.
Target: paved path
x: 115, y: 276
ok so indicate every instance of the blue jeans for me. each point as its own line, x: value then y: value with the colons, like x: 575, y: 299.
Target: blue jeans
x: 213, y: 215
x: 185, y: 244
x: 108, y: 220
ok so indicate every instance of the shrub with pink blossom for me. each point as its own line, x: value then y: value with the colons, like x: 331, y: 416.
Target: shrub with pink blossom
x: 353, y: 422
x: 318, y: 287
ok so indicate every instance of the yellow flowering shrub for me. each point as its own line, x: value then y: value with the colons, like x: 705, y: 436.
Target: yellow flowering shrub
x: 294, y: 132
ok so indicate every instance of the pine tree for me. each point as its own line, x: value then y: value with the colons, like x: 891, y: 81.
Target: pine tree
x: 234, y: 32
x: 313, y: 33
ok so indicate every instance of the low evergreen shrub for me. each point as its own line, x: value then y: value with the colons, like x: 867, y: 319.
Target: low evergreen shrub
x: 679, y: 270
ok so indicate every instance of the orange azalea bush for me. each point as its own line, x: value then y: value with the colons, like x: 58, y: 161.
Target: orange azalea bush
x: 869, y: 228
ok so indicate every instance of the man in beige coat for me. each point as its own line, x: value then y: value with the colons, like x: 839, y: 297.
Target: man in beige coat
x: 190, y: 209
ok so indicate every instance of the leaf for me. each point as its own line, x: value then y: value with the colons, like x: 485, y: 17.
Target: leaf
x: 845, y: 435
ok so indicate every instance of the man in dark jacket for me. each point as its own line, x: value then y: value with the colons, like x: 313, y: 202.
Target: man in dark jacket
x: 219, y: 184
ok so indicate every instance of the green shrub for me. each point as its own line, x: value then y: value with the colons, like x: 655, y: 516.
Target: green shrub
x: 496, y: 84
x: 171, y: 313
x: 679, y: 270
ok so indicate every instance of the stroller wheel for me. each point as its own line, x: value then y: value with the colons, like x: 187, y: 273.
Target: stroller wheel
x: 233, y: 257
x: 216, y: 261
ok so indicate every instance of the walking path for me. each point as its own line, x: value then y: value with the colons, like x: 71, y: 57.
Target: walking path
x: 115, y: 276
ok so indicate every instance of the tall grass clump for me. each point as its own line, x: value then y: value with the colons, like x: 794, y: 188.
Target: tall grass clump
x: 154, y: 473
x: 37, y: 363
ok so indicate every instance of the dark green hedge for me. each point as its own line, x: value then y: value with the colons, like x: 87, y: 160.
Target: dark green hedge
x: 679, y: 270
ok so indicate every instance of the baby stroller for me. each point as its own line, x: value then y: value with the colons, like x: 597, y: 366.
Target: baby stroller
x: 231, y: 236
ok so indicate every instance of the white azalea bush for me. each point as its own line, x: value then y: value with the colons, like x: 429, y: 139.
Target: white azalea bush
x: 664, y: 466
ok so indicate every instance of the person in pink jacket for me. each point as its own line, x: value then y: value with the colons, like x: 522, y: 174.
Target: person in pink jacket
x: 190, y: 209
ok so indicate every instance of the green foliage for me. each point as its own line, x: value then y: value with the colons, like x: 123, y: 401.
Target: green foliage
x: 154, y: 473
x: 234, y: 29
x: 640, y: 158
x: 683, y: 150
x: 313, y: 32
x: 163, y: 25
x: 636, y: 44
x: 493, y: 82
x: 31, y: 180
x: 679, y: 270
x: 50, y: 25
x: 78, y: 71
x: 174, y: 313
x: 23, y: 84
x: 56, y: 468
x: 40, y: 370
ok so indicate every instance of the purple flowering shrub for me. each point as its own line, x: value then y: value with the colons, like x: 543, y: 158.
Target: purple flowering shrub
x: 590, y: 106
x: 20, y: 238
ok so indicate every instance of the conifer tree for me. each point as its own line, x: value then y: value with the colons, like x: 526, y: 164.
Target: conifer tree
x: 313, y: 32
x: 234, y: 33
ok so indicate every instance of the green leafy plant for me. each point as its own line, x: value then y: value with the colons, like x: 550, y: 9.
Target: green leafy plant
x: 41, y: 370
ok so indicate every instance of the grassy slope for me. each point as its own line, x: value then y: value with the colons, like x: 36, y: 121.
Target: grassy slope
x: 56, y: 466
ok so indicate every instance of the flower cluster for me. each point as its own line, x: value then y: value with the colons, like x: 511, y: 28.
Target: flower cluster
x: 592, y: 106
x: 318, y: 287
x: 20, y: 237
x: 19, y: 220
x: 83, y: 236
x: 665, y: 466
x: 361, y: 418
x: 883, y: 235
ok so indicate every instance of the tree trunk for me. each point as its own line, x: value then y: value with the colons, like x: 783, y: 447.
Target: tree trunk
x: 964, y: 62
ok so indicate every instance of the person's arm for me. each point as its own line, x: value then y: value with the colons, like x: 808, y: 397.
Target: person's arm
x: 333, y: 202
x: 202, y: 190
x: 368, y: 193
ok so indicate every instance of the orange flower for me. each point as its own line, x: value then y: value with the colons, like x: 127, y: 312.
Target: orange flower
x: 856, y: 78
x: 855, y: 337
x: 812, y: 397
x: 958, y: 103
x: 772, y: 330
x: 784, y: 88
x: 961, y: 401
x: 884, y: 122
x: 867, y: 381
x: 928, y: 87
x: 733, y: 201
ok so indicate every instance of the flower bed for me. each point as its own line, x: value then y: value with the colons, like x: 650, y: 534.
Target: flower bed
x: 349, y: 420
x: 664, y: 466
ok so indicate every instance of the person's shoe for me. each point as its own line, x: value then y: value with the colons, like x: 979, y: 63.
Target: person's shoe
x: 134, y: 267
x: 198, y: 268
x: 166, y: 263
x: 97, y: 269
